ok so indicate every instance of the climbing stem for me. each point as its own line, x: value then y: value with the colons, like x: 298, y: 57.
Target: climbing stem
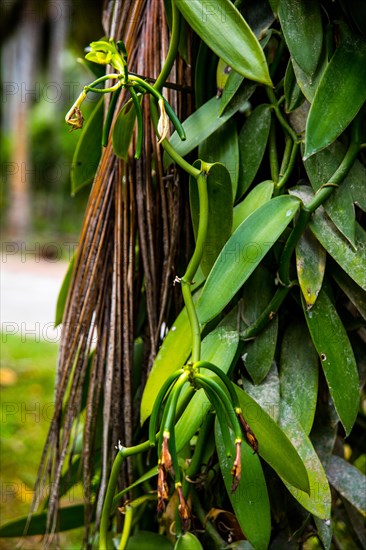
x: 273, y: 155
x: 323, y: 193
x: 290, y: 166
x: 187, y: 278
x: 267, y: 315
x: 126, y: 527
x: 112, y: 484
x: 173, y: 48
x: 284, y: 266
x: 281, y: 119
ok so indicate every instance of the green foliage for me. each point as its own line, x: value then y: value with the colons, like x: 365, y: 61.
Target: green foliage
x: 269, y: 338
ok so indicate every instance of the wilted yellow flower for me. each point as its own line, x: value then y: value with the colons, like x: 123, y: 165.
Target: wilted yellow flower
x: 163, y: 124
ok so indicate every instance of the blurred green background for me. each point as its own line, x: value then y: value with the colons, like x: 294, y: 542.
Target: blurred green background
x: 42, y: 44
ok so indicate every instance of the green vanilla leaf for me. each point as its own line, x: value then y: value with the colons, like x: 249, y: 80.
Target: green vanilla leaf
x: 325, y: 531
x: 267, y: 393
x: 253, y: 139
x: 123, y: 130
x: 258, y: 354
x: 147, y: 540
x: 339, y: 96
x: 70, y: 517
x: 309, y: 84
x: 219, y: 208
x: 299, y: 374
x: 339, y: 206
x: 273, y: 444
x: 310, y: 266
x: 223, y: 147
x: 255, y: 198
x: 88, y: 150
x: 336, y: 356
x: 241, y: 254
x: 351, y: 290
x: 214, y: 22
x: 351, y: 259
x: 302, y: 27
x: 318, y: 502
x: 219, y: 348
x: 187, y: 541
x: 349, y: 481
x: 250, y: 500
x: 62, y: 295
x: 293, y: 94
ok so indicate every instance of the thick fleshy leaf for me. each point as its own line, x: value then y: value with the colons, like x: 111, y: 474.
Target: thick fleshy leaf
x: 350, y: 259
x: 204, y: 122
x: 335, y: 106
x: 339, y: 206
x: 88, y: 150
x: 352, y: 291
x: 250, y: 501
x: 220, y: 207
x: 258, y: 354
x: 172, y: 355
x: 336, y: 356
x: 214, y: 23
x: 253, y: 139
x: 319, y: 501
x: 267, y: 394
x: 255, y: 198
x: 219, y: 348
x: 123, y: 130
x: 70, y: 517
x: 243, y: 252
x: 325, y: 531
x: 62, y: 295
x: 309, y: 84
x: 299, y: 374
x: 349, y: 481
x: 187, y: 541
x: 273, y: 445
x: 223, y: 147
x: 146, y: 540
x: 302, y: 27
x: 293, y: 94
x: 310, y: 265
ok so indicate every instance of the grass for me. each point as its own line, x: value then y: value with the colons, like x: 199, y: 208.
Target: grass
x: 27, y: 382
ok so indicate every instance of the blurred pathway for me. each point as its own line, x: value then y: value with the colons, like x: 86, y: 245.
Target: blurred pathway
x: 29, y: 289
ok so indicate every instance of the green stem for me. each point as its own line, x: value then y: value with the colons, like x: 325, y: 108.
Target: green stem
x: 218, y: 542
x: 320, y: 197
x: 281, y: 119
x: 202, y: 228
x: 187, y: 278
x: 284, y: 266
x: 283, y: 180
x: 339, y: 175
x: 126, y: 528
x: 193, y: 320
x: 273, y: 155
x: 195, y: 463
x: 286, y: 156
x: 173, y: 49
x: 109, y: 117
x: 111, y: 489
x: 267, y: 315
x: 191, y: 170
